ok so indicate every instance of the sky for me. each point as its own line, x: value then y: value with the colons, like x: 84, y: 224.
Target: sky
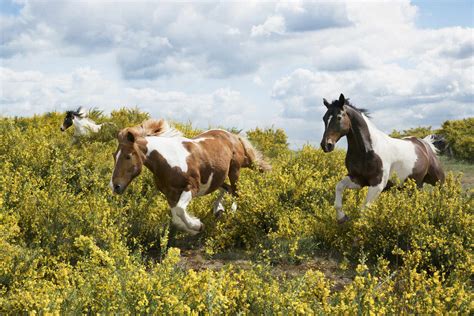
x: 241, y: 64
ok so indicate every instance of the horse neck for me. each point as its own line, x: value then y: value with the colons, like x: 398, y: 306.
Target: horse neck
x: 364, y: 135
x: 359, y: 138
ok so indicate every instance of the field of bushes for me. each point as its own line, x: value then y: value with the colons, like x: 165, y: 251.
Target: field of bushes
x: 68, y: 245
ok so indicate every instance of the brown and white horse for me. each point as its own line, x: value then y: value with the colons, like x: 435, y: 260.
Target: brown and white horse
x: 373, y: 156
x: 183, y: 168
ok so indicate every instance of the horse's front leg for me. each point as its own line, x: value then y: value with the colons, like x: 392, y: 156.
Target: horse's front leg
x: 374, y: 191
x: 182, y: 219
x: 345, y: 183
x: 372, y: 194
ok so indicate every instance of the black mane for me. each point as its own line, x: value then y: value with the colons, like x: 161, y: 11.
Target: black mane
x: 349, y: 104
x: 74, y: 113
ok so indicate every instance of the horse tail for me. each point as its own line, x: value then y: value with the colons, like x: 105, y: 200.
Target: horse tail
x: 430, y: 140
x: 254, y: 156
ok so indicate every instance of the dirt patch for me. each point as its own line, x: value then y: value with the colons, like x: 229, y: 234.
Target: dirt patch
x: 197, y: 260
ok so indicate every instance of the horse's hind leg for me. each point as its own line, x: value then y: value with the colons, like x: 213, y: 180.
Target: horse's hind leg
x: 234, y: 173
x: 218, y: 208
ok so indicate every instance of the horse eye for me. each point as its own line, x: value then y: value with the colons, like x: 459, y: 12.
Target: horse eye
x: 339, y: 117
x: 128, y: 157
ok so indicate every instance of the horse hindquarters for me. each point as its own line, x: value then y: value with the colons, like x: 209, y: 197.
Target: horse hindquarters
x: 435, y: 172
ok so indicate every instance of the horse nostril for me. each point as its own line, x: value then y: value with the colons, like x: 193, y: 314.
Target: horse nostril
x: 330, y: 146
x: 117, y: 188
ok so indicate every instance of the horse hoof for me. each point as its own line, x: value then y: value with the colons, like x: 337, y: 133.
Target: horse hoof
x: 218, y: 213
x: 343, y: 220
x: 202, y: 228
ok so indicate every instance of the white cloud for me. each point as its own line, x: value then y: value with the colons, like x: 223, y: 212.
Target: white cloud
x: 205, y: 61
x: 273, y: 25
x: 34, y: 92
x: 342, y: 58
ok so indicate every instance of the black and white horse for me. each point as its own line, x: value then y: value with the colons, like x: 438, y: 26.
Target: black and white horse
x: 373, y: 156
x: 82, y: 124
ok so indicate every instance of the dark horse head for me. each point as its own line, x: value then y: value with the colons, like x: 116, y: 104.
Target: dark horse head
x: 69, y: 118
x: 336, y: 123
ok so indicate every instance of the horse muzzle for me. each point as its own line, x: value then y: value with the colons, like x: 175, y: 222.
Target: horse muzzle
x: 327, y: 146
x: 119, y: 189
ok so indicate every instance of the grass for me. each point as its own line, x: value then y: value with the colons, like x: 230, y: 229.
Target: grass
x: 464, y: 167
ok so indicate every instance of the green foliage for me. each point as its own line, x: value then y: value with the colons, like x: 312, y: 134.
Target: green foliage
x: 67, y: 245
x: 420, y: 132
x: 460, y: 136
x: 271, y: 142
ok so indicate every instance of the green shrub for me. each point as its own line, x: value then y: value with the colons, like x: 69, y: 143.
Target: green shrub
x: 420, y: 132
x: 67, y: 245
x: 460, y: 136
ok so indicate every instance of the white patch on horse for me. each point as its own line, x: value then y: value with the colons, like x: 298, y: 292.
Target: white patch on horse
x: 398, y: 155
x: 171, y: 148
x: 203, y: 187
x: 82, y: 126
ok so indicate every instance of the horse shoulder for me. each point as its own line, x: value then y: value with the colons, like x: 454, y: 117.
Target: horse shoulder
x: 171, y: 149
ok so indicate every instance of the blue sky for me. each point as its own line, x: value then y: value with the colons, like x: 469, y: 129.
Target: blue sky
x: 241, y: 64
x: 437, y: 14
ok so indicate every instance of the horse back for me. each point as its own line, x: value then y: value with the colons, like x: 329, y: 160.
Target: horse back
x: 212, y: 154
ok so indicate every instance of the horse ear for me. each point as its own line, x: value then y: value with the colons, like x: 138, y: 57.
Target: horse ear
x: 130, y: 137
x: 326, y: 103
x: 342, y: 99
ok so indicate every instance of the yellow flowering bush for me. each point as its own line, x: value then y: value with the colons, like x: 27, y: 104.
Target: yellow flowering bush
x: 67, y: 245
x: 460, y: 136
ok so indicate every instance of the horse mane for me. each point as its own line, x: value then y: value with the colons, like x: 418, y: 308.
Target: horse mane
x: 80, y: 112
x: 359, y: 110
x: 153, y: 127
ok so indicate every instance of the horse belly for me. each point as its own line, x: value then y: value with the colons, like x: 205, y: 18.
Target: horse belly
x: 403, y: 167
x: 213, y: 182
